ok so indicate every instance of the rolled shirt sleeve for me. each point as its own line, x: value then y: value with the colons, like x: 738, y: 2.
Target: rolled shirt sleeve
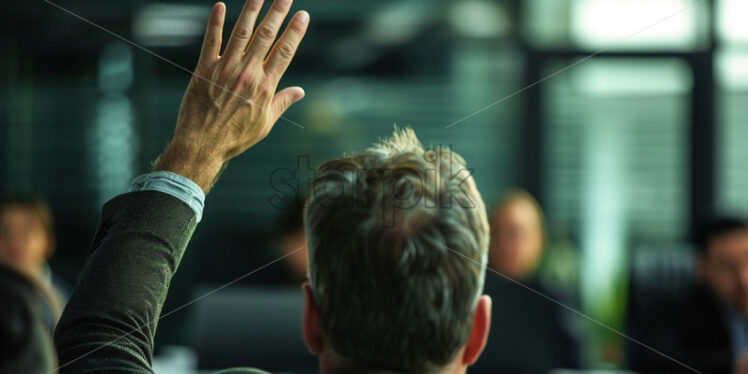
x: 175, y: 185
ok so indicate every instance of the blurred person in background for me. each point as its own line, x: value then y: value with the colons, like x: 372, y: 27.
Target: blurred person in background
x: 291, y: 242
x: 530, y: 334
x: 396, y: 278
x: 27, y: 241
x: 25, y: 337
x: 516, y: 236
x: 706, y: 328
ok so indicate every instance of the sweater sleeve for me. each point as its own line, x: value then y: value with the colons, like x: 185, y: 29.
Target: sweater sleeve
x: 110, y: 321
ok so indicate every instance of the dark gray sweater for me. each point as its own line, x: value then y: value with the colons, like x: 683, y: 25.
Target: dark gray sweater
x: 110, y: 321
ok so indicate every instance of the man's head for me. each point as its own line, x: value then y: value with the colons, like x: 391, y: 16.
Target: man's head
x: 397, y: 239
x: 723, y: 260
x: 26, y: 234
x: 25, y: 341
x: 516, y: 235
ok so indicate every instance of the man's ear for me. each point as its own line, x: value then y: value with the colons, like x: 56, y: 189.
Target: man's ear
x: 479, y: 331
x: 313, y: 336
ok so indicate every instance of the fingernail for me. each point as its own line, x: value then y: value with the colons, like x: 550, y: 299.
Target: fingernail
x: 303, y: 93
x: 303, y: 17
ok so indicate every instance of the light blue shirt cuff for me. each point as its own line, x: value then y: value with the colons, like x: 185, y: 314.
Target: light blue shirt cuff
x: 175, y: 185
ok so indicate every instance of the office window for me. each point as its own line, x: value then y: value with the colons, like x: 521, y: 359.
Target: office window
x: 731, y: 64
x: 618, y: 127
x: 731, y: 25
x: 732, y: 135
x: 617, y: 24
x: 616, y: 159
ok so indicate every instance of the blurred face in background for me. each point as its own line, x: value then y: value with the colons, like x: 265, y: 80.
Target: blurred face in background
x: 24, y: 240
x: 724, y: 267
x: 516, y: 237
x: 295, y: 242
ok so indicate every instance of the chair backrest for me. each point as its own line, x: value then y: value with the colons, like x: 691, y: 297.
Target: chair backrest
x: 659, y: 277
x: 251, y: 326
x: 658, y: 274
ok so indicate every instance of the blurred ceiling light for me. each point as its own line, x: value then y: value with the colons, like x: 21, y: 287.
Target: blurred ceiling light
x: 479, y: 19
x: 731, y: 23
x: 621, y: 24
x: 732, y: 70
x: 615, y: 77
x: 169, y: 24
x: 399, y: 22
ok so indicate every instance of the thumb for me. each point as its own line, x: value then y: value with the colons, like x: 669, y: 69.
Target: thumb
x: 285, y: 98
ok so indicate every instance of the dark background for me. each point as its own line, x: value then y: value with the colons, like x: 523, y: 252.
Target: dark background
x: 626, y: 119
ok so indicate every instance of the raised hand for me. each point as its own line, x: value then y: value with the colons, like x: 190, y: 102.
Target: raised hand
x: 231, y: 102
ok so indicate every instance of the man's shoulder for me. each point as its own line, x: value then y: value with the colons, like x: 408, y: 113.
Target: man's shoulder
x: 241, y: 371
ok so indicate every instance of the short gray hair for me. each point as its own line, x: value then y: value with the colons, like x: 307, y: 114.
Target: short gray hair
x: 382, y: 225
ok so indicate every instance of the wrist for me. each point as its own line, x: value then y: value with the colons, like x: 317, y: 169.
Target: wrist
x: 202, y: 168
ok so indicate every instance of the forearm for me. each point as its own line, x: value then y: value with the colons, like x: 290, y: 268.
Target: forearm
x: 230, y: 105
x: 110, y: 320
